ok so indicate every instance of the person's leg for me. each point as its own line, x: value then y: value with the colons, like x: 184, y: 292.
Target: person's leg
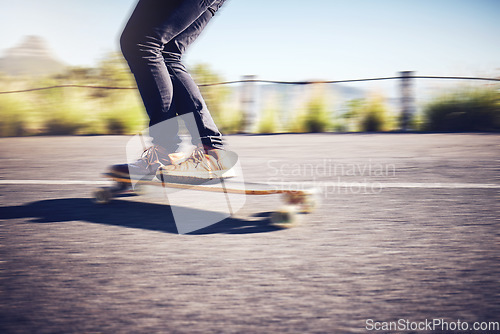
x: 154, y: 24
x: 210, y: 160
x: 187, y: 96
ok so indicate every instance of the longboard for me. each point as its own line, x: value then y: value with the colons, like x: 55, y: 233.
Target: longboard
x: 296, y: 201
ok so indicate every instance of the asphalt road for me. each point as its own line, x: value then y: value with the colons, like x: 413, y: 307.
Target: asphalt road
x: 409, y: 230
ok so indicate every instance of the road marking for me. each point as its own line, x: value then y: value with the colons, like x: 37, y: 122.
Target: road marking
x: 54, y: 182
x: 441, y: 185
x: 379, y: 185
x: 292, y: 185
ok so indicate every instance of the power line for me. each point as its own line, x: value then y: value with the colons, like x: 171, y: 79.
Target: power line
x: 259, y: 81
x: 344, y: 81
x: 64, y: 86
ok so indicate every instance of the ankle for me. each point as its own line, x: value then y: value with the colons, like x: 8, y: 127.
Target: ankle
x: 208, y: 148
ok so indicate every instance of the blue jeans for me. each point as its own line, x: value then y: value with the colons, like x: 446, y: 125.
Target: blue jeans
x: 153, y: 42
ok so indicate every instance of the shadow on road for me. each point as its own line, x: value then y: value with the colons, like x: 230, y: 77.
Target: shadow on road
x: 147, y: 216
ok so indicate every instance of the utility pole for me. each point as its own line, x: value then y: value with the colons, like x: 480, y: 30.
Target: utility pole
x: 407, y: 99
x: 248, y: 103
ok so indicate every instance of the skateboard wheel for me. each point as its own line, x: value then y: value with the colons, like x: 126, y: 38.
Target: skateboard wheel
x: 138, y: 189
x: 292, y: 198
x: 102, y: 196
x: 310, y: 203
x: 286, y: 217
x: 122, y: 186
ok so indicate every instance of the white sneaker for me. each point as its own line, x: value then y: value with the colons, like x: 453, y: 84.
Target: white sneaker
x: 201, y: 166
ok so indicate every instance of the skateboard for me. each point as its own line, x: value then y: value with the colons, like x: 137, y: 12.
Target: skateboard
x: 295, y: 201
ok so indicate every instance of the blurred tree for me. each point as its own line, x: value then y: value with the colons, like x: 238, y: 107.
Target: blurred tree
x: 112, y: 71
x: 268, y: 122
x: 371, y: 115
x: 353, y: 113
x: 464, y: 110
x: 76, y: 75
x: 215, y: 98
x: 375, y: 116
x: 317, y: 117
x: 12, y: 122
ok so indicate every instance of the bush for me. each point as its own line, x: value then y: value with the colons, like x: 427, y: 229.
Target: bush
x: 369, y: 115
x: 232, y: 122
x: 126, y: 116
x: 314, y: 117
x: 61, y: 126
x: 12, y: 121
x: 464, y: 110
x: 60, y: 111
x: 214, y: 96
x: 268, y: 122
x: 62, y: 117
x: 318, y: 118
x: 227, y: 118
x: 375, y: 116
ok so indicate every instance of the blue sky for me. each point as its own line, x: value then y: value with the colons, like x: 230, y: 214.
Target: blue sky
x: 288, y: 39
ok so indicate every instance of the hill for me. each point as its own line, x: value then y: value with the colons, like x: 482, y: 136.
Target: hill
x: 32, y: 57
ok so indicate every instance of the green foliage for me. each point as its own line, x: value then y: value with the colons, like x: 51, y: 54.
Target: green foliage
x: 375, y: 117
x: 64, y: 125
x: 77, y: 74
x: 318, y: 118
x: 112, y: 71
x: 268, y: 122
x: 127, y: 116
x: 314, y: 117
x: 214, y: 96
x: 60, y: 111
x: 68, y: 111
x: 464, y: 110
x: 370, y: 115
x: 11, y: 120
x: 232, y: 122
x: 417, y: 122
x: 228, y: 120
x: 349, y: 119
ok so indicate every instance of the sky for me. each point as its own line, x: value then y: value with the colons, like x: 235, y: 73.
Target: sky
x: 287, y: 39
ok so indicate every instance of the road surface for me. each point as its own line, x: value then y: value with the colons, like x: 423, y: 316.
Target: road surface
x: 408, y: 232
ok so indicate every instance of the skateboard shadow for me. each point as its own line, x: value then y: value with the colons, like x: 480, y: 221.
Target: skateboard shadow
x: 130, y: 214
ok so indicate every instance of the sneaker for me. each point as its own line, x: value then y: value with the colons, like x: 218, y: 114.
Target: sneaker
x: 145, y: 168
x: 204, y: 164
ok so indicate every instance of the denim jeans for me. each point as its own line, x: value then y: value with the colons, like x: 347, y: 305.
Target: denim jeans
x: 153, y: 42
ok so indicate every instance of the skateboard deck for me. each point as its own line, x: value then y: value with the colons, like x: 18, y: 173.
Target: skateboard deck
x: 296, y: 201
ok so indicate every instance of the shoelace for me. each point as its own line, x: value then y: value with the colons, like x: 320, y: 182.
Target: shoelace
x: 199, y: 157
x: 151, y: 155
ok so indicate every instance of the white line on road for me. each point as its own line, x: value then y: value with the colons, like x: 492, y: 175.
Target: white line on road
x: 441, y: 185
x: 378, y: 185
x: 54, y: 182
x: 318, y: 184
